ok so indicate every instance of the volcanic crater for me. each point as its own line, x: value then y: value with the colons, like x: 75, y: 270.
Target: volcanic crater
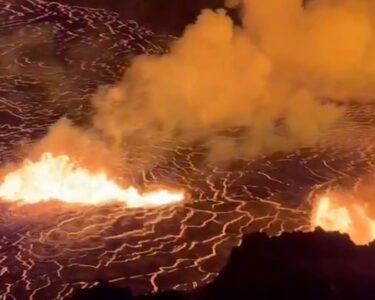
x: 49, y: 249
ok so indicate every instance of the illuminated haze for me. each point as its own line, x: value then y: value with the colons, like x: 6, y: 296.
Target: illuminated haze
x: 270, y: 79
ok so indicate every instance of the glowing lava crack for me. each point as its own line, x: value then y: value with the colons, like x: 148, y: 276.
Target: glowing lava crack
x: 59, y: 178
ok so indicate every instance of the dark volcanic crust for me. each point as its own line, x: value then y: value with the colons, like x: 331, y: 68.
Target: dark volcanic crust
x: 160, y: 15
x: 296, y: 266
x: 53, y: 58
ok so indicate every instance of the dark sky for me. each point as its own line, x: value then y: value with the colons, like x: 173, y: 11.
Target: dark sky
x: 169, y: 16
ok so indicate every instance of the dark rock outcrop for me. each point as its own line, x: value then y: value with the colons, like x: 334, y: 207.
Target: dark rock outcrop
x: 314, y: 266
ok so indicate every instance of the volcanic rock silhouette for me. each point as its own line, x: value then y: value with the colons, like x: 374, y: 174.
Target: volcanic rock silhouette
x: 316, y: 265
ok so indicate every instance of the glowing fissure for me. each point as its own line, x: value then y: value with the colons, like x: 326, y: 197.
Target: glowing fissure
x: 59, y: 178
x: 333, y: 214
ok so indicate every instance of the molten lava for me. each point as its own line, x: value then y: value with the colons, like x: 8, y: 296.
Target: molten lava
x: 344, y: 214
x: 59, y: 178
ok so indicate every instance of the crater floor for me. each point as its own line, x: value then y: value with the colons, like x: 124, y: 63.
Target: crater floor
x: 53, y: 57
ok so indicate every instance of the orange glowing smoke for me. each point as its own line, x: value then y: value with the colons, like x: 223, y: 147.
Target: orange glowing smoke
x: 59, y: 178
x: 343, y: 214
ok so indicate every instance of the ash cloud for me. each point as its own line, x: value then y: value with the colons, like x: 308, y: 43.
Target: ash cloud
x: 269, y: 79
x: 329, y: 45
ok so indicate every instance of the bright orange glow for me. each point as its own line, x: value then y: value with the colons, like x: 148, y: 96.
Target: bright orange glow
x: 343, y: 214
x: 59, y: 178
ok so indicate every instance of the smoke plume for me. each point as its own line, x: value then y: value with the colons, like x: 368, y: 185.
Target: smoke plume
x: 243, y: 90
x: 329, y: 45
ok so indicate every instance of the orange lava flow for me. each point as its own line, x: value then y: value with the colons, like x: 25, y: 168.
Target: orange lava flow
x: 333, y: 213
x: 59, y: 178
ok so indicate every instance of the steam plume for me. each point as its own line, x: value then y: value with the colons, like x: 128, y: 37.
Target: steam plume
x: 269, y: 79
x: 329, y: 45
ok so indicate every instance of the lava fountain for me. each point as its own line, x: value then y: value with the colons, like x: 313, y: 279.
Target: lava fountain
x: 60, y: 178
x: 342, y: 213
